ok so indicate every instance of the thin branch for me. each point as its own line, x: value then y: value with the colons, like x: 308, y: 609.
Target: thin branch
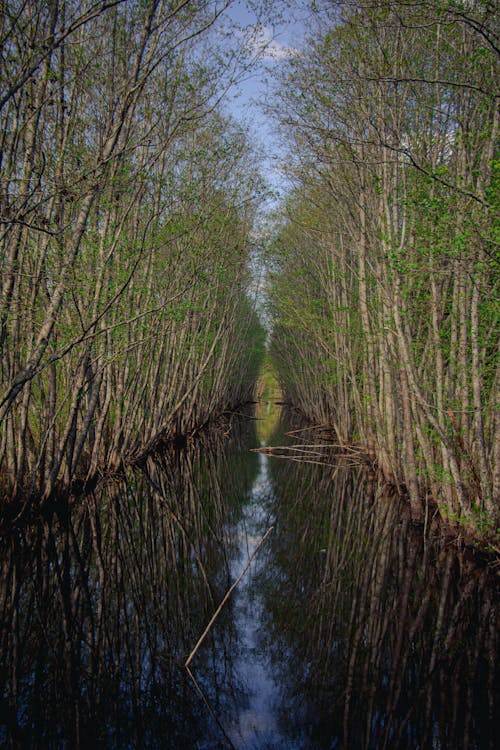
x: 226, y: 597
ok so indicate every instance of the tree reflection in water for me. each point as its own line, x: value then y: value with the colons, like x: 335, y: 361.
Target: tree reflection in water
x: 352, y: 630
x: 101, y: 605
x: 383, y: 639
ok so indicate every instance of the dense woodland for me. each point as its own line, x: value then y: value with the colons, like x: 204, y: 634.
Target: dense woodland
x: 149, y: 287
x: 127, y: 201
x: 385, y: 266
x: 128, y: 204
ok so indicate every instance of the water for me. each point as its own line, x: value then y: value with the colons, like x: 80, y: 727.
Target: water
x: 255, y: 724
x: 350, y: 629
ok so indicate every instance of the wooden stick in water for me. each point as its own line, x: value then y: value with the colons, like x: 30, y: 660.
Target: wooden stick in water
x: 226, y: 597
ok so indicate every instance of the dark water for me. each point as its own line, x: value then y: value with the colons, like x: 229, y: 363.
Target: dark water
x: 349, y: 630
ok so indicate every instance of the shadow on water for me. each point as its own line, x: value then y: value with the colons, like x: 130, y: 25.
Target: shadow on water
x: 349, y: 630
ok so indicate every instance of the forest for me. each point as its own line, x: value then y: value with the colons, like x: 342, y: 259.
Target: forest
x: 131, y: 210
x: 384, y: 283
x: 127, y: 202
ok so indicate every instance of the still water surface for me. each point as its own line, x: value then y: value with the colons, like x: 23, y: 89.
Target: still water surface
x: 349, y: 630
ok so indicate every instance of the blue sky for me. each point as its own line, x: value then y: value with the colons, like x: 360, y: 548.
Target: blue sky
x: 273, y: 38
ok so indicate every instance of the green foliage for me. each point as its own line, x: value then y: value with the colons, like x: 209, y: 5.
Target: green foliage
x: 126, y: 288
x: 385, y: 268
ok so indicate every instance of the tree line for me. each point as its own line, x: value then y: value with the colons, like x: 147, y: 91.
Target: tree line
x: 384, y: 280
x: 127, y: 201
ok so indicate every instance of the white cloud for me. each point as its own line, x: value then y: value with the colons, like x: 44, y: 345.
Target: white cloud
x: 262, y: 44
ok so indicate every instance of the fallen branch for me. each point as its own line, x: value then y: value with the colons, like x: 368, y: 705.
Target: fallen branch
x: 226, y: 597
x: 305, y: 460
x: 310, y: 428
x: 306, y: 453
x: 207, y: 629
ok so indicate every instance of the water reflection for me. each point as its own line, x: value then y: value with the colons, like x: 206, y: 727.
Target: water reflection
x: 256, y: 723
x: 101, y: 606
x: 383, y: 639
x: 349, y: 630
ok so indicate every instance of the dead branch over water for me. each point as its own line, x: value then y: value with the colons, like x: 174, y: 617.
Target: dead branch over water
x: 226, y: 597
x: 209, y: 627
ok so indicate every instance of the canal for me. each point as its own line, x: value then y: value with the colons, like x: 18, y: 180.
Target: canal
x: 351, y: 628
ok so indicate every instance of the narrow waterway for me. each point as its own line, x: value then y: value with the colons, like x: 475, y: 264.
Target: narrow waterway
x: 255, y: 724
x: 350, y: 629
